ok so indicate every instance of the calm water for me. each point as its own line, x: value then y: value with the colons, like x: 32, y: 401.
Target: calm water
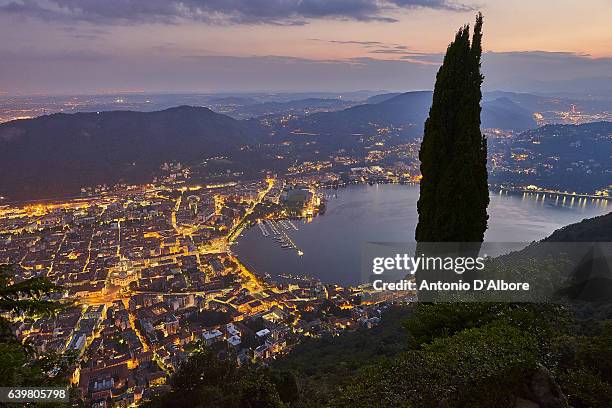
x: 332, y: 242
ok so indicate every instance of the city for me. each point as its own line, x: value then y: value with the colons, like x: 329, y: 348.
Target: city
x: 305, y: 203
x: 148, y: 273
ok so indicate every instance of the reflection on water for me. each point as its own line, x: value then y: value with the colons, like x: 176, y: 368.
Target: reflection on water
x: 332, y: 243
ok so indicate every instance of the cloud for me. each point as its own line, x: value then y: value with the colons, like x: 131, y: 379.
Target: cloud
x: 283, y: 12
x: 391, y: 51
x: 352, y: 42
x: 81, y: 33
x: 379, y: 46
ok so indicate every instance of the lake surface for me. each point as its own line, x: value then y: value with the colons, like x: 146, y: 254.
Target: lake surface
x: 332, y: 243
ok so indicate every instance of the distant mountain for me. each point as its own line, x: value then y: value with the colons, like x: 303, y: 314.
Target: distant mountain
x: 382, y: 97
x: 547, y: 105
x: 407, y: 111
x: 553, y: 106
x: 529, y: 102
x: 60, y: 153
x: 503, y: 113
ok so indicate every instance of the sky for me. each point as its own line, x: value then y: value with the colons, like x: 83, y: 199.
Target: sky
x: 110, y: 46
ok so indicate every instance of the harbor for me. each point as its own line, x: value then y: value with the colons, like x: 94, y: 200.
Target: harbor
x: 280, y: 235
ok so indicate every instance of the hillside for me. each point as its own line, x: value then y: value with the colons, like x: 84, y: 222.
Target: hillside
x: 597, y: 229
x: 60, y: 153
x: 565, y: 157
x: 408, y: 112
x: 504, y: 113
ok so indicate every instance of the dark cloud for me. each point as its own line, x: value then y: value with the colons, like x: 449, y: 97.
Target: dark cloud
x: 85, y: 33
x: 285, y: 12
x: 380, y: 46
x: 362, y: 43
x: 390, y: 51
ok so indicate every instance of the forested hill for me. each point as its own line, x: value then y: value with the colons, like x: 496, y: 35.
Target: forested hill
x: 60, y: 153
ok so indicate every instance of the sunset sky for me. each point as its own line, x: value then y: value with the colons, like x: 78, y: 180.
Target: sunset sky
x: 82, y: 46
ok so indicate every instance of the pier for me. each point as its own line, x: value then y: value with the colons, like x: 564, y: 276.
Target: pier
x: 272, y: 226
x: 263, y: 229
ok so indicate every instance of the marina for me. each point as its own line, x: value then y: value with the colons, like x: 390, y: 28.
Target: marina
x: 280, y: 236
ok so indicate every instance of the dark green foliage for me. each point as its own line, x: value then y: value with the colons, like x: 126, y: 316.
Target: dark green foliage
x: 470, y: 354
x: 430, y: 321
x: 18, y: 365
x: 590, y: 352
x: 210, y: 318
x: 433, y: 321
x: 475, y: 355
x: 585, y: 389
x: 323, y: 365
x: 490, y: 356
x: 26, y: 296
x: 205, y: 380
x: 286, y: 385
x: 454, y: 191
x: 346, y: 353
x: 14, y: 367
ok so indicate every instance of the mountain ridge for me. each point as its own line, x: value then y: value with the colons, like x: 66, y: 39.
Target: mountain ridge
x: 407, y: 110
x: 62, y: 152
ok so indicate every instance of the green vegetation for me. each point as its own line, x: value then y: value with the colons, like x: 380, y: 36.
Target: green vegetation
x: 206, y: 380
x: 323, y: 366
x: 19, y: 366
x: 454, y: 191
x: 460, y: 355
x: 25, y: 297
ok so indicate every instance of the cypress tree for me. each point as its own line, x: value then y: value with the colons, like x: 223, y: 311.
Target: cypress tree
x: 454, y: 193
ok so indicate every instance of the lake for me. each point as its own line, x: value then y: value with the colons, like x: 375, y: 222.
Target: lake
x: 332, y: 243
